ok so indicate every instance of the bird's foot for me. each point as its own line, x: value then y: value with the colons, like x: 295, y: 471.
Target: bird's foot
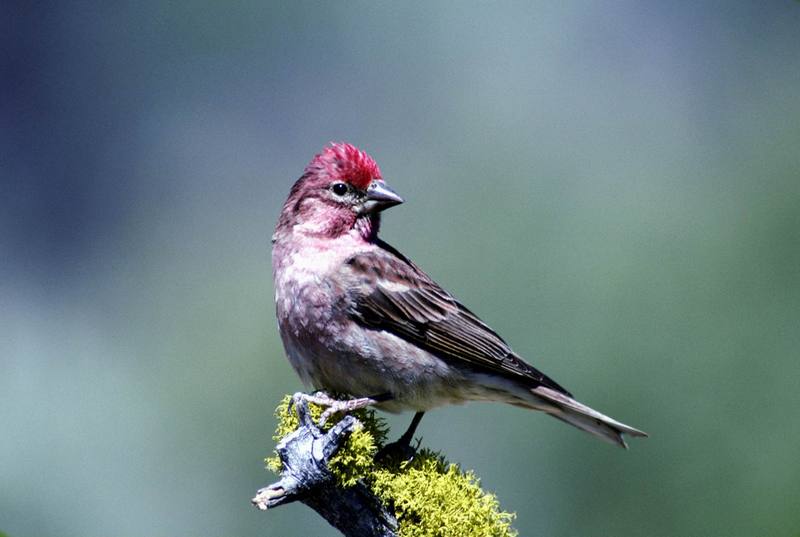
x: 319, y: 398
x: 348, y: 405
x: 333, y: 405
x: 401, y: 450
x: 397, y: 452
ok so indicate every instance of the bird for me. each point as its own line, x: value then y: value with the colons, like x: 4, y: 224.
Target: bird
x: 358, y: 317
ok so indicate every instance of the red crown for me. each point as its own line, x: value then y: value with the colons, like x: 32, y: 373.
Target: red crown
x: 345, y: 162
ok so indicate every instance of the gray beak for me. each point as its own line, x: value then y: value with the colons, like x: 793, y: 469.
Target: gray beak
x: 380, y: 197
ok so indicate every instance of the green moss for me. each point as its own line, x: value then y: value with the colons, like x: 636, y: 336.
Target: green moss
x: 429, y: 496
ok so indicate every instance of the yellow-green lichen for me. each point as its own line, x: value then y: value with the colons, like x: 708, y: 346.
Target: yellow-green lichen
x: 429, y: 496
x: 432, y: 498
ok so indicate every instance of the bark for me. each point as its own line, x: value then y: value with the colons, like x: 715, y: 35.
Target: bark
x: 305, y: 453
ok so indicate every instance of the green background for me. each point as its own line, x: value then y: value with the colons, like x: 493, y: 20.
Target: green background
x: 613, y: 186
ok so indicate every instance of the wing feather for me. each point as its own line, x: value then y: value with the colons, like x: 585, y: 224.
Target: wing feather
x: 396, y: 296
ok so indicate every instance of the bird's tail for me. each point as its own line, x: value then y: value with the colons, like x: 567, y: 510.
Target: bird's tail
x: 567, y: 409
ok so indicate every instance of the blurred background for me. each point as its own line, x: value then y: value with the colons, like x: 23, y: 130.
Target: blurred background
x: 615, y: 187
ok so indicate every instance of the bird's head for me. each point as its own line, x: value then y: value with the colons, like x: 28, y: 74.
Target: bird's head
x: 340, y: 190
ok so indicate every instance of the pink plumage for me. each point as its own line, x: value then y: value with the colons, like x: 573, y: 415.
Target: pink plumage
x: 347, y: 163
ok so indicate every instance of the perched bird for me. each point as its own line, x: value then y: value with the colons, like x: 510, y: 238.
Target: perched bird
x: 358, y: 317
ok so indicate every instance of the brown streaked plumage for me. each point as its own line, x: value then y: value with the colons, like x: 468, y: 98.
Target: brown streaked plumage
x: 428, y: 316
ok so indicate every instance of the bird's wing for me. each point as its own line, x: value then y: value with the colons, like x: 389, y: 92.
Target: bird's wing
x: 394, y: 295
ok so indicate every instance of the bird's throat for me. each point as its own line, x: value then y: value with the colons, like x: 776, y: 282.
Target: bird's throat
x: 367, y: 226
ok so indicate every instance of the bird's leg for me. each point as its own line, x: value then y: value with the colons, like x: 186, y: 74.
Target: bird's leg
x: 318, y: 398
x: 348, y: 405
x: 412, y: 428
x: 402, y: 446
x: 335, y: 405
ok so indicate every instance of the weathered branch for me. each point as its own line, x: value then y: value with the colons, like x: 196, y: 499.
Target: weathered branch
x: 305, y: 454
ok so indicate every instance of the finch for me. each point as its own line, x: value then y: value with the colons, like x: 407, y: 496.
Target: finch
x: 358, y: 317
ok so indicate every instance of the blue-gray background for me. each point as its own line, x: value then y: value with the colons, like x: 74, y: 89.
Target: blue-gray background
x: 615, y: 186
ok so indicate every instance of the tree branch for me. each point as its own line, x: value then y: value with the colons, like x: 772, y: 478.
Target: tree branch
x: 305, y: 454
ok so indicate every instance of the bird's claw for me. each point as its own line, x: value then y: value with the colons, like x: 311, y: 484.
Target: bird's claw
x: 400, y: 451
x: 300, y: 401
x: 348, y: 405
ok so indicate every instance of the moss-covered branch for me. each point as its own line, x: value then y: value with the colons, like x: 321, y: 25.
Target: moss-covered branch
x: 333, y: 470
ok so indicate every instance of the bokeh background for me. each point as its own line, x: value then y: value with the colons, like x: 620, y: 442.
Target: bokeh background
x: 615, y: 186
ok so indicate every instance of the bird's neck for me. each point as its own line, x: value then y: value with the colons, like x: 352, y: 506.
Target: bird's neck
x: 363, y: 230
x: 368, y: 226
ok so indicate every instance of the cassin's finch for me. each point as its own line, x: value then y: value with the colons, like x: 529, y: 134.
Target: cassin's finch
x: 358, y: 317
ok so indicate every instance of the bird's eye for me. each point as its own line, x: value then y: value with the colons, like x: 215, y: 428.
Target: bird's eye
x: 340, y: 189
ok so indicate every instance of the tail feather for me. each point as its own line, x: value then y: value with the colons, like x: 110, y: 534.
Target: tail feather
x: 569, y: 410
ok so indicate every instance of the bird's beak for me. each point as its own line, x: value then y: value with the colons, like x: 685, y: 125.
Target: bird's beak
x: 380, y: 197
